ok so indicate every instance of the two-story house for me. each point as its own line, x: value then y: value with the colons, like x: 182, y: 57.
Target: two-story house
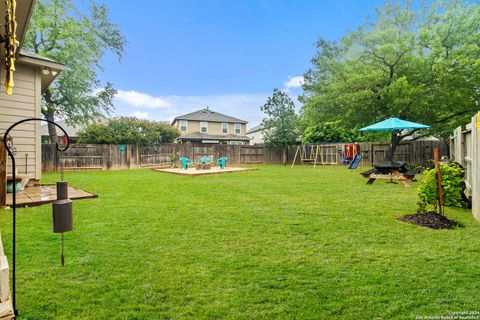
x: 207, y: 126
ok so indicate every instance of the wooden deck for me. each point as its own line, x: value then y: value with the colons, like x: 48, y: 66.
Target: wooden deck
x: 36, y: 196
x: 195, y: 172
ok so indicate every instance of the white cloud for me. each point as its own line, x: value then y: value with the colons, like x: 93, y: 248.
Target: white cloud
x: 245, y: 106
x: 140, y: 114
x: 142, y: 100
x: 293, y: 83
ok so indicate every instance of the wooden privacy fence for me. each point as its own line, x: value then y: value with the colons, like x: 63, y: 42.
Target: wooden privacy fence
x: 465, y: 149
x: 415, y: 153
x: 107, y: 157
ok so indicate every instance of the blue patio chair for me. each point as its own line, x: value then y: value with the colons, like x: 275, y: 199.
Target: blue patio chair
x: 185, y: 163
x: 222, y: 162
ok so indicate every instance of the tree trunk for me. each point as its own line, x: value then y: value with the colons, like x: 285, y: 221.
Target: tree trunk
x: 284, y: 156
x: 396, y: 138
x: 52, y: 129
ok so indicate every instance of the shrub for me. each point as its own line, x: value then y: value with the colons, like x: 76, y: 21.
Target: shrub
x: 452, y: 179
x: 128, y: 130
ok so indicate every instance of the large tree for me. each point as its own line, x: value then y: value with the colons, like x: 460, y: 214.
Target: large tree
x: 280, y: 124
x: 420, y: 65
x: 78, y: 39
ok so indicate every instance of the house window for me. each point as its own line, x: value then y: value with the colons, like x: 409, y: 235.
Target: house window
x: 238, y: 127
x: 224, y: 127
x: 183, y: 125
x: 204, y: 127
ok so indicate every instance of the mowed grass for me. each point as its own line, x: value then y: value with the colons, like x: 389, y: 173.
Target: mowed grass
x: 277, y: 243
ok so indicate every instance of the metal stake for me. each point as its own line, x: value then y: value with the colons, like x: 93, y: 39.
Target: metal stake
x: 14, y: 199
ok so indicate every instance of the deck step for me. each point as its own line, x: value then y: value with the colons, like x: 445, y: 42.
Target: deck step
x: 4, y: 279
x: 4, y: 275
x: 6, y: 310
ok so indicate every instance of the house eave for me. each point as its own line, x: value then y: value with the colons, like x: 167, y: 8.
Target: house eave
x: 41, y: 63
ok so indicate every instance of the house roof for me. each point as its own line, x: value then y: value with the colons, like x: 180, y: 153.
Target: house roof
x: 208, y: 115
x: 205, y: 136
x: 38, y: 57
x: 260, y: 127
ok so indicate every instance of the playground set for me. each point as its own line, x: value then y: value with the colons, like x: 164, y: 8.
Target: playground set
x: 329, y: 154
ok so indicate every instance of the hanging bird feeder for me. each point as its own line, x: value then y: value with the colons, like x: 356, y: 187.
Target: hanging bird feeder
x: 62, y: 214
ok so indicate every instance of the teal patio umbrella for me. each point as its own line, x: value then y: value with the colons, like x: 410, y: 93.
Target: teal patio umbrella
x: 395, y: 125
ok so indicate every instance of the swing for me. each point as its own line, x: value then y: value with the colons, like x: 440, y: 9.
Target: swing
x: 307, y: 154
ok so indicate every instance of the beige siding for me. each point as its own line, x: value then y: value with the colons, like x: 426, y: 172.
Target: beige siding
x: 214, y: 128
x: 256, y: 137
x: 23, y: 103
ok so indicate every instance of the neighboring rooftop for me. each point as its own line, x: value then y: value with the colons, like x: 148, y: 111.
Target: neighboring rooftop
x: 260, y: 127
x: 208, y: 115
x: 72, y: 131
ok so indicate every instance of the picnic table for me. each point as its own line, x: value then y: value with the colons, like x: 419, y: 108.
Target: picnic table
x: 391, y: 170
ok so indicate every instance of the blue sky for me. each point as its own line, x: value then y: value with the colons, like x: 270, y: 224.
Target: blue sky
x: 225, y: 54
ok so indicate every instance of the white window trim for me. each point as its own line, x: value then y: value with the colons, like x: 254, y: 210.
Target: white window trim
x: 221, y: 127
x: 203, y: 124
x: 239, y: 128
x: 186, y: 125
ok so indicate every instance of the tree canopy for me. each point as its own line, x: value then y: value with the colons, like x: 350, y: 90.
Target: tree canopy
x: 128, y: 130
x: 330, y: 131
x: 78, y: 39
x: 281, y: 121
x: 419, y: 65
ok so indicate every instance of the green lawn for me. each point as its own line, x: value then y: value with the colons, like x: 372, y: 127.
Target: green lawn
x: 278, y: 243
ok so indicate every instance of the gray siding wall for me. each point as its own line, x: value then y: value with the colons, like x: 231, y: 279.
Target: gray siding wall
x: 23, y: 103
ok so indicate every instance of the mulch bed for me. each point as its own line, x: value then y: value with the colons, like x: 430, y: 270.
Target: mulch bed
x: 430, y: 220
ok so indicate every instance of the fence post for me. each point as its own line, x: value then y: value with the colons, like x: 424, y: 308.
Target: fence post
x: 476, y: 166
x: 128, y: 153
x: 108, y: 156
